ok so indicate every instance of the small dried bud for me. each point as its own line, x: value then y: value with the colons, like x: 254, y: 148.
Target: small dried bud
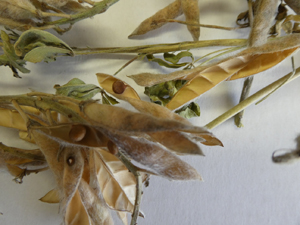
x: 119, y: 87
x: 77, y: 133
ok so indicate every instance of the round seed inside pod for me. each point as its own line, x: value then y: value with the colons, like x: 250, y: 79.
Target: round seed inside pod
x: 119, y: 87
x: 77, y: 133
x: 112, y: 148
x: 70, y: 160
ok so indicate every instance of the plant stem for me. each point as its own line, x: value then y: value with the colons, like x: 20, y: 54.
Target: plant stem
x: 250, y: 100
x: 245, y: 93
x: 161, y: 48
x: 198, y: 24
x: 139, y: 188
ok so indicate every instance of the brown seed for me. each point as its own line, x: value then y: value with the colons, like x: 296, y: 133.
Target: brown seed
x: 70, y: 160
x: 113, y: 149
x: 119, y: 87
x: 77, y: 133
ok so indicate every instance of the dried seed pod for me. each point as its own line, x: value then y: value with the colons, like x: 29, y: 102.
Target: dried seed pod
x: 17, y: 9
x: 107, y: 82
x: 190, y: 9
x: 262, y: 22
x: 169, y: 12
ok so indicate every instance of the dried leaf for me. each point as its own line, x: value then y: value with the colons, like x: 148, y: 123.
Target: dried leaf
x: 169, y: 12
x: 77, y: 89
x: 190, y: 9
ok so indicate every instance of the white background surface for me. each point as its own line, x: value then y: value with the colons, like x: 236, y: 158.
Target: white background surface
x: 241, y: 184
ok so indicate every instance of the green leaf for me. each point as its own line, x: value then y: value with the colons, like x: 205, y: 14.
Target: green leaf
x: 162, y: 93
x: 77, y: 89
x: 171, y: 59
x: 108, y: 100
x: 45, y: 53
x: 9, y: 58
x: 43, y: 44
x: 189, y: 111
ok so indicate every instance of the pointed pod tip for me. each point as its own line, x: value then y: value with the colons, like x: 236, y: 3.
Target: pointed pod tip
x: 133, y: 34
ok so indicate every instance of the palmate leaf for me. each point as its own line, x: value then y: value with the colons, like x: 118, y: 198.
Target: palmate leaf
x: 248, y: 62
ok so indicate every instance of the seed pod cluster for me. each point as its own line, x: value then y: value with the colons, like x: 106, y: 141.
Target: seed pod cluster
x: 22, y: 14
